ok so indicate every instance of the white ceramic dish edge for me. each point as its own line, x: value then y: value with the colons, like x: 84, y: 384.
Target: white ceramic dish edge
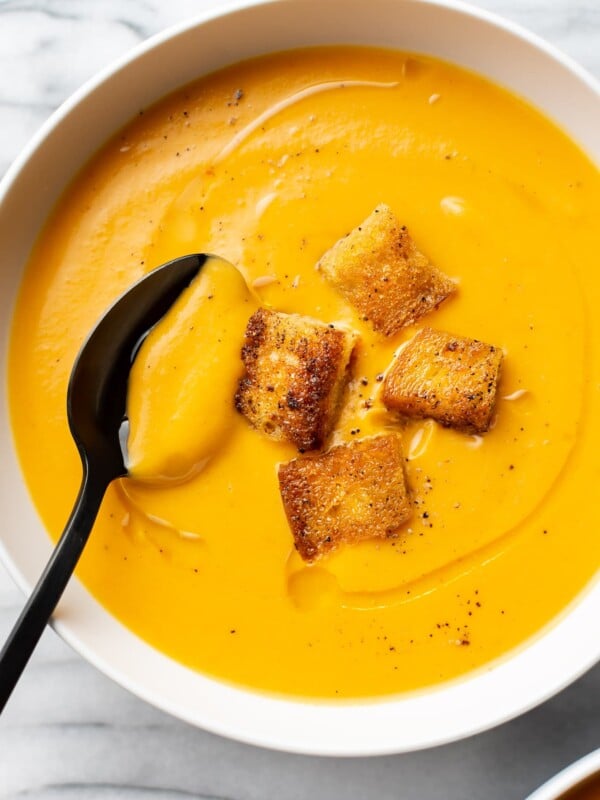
x: 536, y: 672
x: 570, y: 777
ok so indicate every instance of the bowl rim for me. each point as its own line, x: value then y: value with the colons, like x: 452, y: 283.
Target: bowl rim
x: 233, y: 6
x: 358, y: 712
x: 571, y: 777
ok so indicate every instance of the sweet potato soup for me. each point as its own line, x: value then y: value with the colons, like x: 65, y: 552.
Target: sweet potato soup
x: 268, y: 164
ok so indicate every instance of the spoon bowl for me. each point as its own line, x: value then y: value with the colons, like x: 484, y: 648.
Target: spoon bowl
x: 96, y: 409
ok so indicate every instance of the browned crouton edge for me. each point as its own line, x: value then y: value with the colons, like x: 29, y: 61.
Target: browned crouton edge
x: 451, y: 379
x: 296, y: 372
x: 353, y: 492
x: 380, y: 271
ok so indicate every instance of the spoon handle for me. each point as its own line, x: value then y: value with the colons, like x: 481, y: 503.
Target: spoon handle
x: 30, y: 625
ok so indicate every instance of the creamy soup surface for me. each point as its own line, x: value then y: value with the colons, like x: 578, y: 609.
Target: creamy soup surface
x: 267, y: 164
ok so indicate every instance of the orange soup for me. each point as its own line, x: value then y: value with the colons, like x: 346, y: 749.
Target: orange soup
x: 267, y: 164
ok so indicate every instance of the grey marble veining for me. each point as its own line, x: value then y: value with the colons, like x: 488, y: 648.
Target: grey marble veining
x: 71, y: 734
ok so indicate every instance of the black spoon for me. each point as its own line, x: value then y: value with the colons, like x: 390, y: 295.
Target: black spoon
x: 96, y: 409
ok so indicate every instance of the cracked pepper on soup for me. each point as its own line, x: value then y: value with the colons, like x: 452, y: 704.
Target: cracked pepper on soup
x: 362, y: 454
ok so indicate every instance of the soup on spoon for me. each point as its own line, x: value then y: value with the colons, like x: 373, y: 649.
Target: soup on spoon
x: 184, y: 374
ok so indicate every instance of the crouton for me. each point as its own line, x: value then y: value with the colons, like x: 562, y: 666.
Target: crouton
x: 296, y: 372
x: 448, y: 378
x: 352, y: 492
x: 379, y: 270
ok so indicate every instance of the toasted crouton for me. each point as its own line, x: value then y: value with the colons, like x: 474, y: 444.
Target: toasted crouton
x: 379, y: 270
x: 448, y: 378
x: 353, y: 492
x: 296, y: 372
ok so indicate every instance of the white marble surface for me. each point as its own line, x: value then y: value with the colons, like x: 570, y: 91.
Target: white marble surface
x: 68, y: 731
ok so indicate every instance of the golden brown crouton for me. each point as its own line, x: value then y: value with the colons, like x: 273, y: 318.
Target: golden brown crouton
x: 353, y: 492
x: 296, y: 372
x: 379, y: 270
x: 449, y: 378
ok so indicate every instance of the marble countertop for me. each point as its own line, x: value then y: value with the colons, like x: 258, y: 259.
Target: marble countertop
x: 69, y: 732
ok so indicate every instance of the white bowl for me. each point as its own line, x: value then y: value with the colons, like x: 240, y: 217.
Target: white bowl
x: 451, y: 31
x: 573, y: 777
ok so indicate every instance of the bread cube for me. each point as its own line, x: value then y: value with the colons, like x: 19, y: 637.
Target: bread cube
x: 379, y: 270
x: 353, y: 492
x: 296, y: 371
x: 451, y: 379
